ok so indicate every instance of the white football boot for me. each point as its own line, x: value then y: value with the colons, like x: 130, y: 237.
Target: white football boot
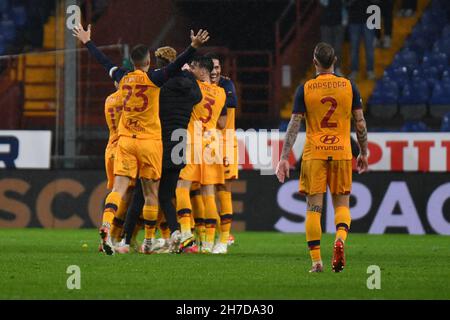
x: 161, y: 246
x: 122, y: 247
x: 220, y: 248
x: 207, y: 247
x: 147, y: 246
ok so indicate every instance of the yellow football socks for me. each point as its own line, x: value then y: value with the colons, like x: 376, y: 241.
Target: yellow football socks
x: 342, y: 220
x: 198, y: 210
x: 137, y: 228
x: 226, y: 215
x: 210, y: 217
x: 119, y: 221
x: 112, y: 204
x: 184, y: 209
x: 150, y: 214
x: 313, y: 235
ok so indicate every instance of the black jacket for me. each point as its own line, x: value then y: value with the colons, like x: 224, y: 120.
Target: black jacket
x: 176, y: 101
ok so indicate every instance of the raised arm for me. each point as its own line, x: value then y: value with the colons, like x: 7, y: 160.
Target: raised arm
x: 160, y: 76
x: 361, y: 134
x: 84, y: 36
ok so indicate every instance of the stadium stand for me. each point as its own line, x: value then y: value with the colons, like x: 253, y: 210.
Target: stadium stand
x: 417, y: 83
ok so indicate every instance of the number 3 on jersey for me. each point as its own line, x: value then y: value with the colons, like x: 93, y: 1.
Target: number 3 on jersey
x: 139, y: 94
x: 208, y: 106
x: 325, y: 123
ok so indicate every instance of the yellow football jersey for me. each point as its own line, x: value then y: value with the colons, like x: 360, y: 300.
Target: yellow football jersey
x: 327, y: 102
x: 140, y: 117
x: 113, y: 111
x: 205, y: 114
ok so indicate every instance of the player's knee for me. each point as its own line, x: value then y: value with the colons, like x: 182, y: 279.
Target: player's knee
x: 315, y: 208
x: 220, y: 187
x: 208, y: 190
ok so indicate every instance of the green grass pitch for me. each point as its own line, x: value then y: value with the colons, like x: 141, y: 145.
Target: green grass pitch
x: 33, y: 264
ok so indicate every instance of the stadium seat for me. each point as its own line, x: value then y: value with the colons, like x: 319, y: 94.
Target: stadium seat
x: 446, y: 32
x: 2, y: 45
x: 4, y: 5
x: 383, y: 103
x: 419, y: 45
x: 442, y: 45
x: 19, y: 15
x: 413, y: 100
x: 435, y: 59
x: 415, y: 126
x: 400, y: 76
x: 8, y: 30
x: 445, y: 125
x: 283, y: 126
x: 429, y: 75
x: 407, y: 58
x: 440, y: 100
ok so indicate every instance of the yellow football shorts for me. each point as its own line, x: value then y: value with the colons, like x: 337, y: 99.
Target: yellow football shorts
x: 110, y: 154
x: 230, y: 159
x: 316, y: 175
x: 203, y: 172
x: 138, y: 156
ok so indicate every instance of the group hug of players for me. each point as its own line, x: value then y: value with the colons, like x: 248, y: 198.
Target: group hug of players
x: 172, y: 136
x: 200, y: 100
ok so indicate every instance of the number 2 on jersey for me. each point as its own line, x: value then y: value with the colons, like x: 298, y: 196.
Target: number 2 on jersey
x: 325, y: 123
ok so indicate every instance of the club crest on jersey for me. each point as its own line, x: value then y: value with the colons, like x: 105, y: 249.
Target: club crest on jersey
x: 329, y: 139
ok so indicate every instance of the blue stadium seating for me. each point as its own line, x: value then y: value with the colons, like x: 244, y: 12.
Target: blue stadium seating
x: 399, y: 75
x: 421, y: 70
x: 440, y: 99
x: 413, y: 100
x: 8, y: 29
x: 445, y: 126
x: 19, y: 15
x: 4, y: 5
x: 415, y: 126
x: 2, y: 45
x: 435, y: 59
x: 383, y: 103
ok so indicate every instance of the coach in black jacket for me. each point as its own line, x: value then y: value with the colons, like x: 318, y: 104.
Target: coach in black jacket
x: 176, y: 101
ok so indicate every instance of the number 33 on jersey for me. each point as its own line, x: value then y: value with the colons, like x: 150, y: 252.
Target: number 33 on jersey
x: 208, y: 111
x: 327, y: 103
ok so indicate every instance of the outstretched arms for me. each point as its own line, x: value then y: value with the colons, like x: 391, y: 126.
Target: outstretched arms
x: 361, y: 134
x: 160, y: 76
x: 294, y: 126
x: 85, y: 37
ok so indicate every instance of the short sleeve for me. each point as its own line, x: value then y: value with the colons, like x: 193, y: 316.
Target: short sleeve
x: 299, y: 102
x: 230, y: 92
x: 357, y: 100
x: 224, y: 111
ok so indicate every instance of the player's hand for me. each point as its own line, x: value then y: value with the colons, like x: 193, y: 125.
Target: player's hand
x: 82, y: 35
x: 362, y: 164
x: 282, y: 171
x: 186, y: 67
x: 199, y: 39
